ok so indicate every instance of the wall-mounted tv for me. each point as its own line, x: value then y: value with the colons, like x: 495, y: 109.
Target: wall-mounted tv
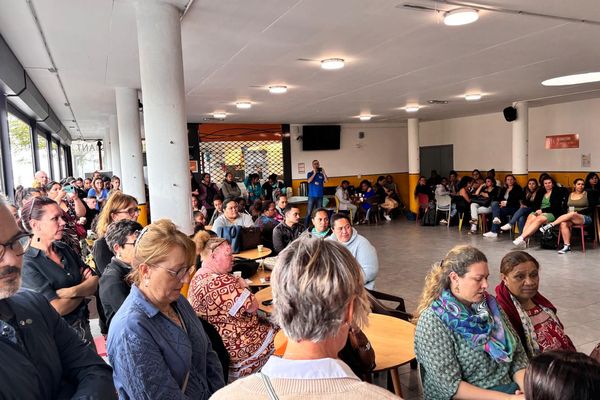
x: 321, y: 137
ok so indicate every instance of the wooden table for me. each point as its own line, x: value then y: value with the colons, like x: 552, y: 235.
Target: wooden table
x: 256, y: 278
x: 393, y: 340
x: 254, y: 254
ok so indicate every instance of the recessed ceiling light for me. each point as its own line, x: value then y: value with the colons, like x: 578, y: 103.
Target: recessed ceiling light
x: 411, y: 109
x: 220, y: 115
x: 244, y: 105
x: 573, y: 79
x: 365, y: 117
x: 332, y: 63
x: 437, y: 101
x: 278, y: 89
x: 460, y: 16
x: 472, y: 97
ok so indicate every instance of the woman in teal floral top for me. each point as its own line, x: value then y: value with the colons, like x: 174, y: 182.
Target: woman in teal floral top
x: 463, y: 341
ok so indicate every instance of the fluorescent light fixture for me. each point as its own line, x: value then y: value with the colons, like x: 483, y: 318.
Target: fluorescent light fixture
x: 278, y: 89
x: 243, y: 105
x: 576, y: 79
x: 460, y: 16
x: 365, y: 117
x: 332, y: 63
x: 472, y: 97
x: 411, y: 109
x: 220, y: 115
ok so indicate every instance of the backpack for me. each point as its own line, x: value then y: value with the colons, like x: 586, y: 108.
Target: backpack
x: 429, y: 217
x: 549, y: 240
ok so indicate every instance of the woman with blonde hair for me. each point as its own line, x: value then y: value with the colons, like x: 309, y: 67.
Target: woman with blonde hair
x: 225, y: 301
x: 463, y: 341
x: 156, y: 344
x: 318, y: 296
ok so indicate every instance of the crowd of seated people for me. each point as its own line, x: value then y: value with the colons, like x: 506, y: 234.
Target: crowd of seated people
x: 537, y: 207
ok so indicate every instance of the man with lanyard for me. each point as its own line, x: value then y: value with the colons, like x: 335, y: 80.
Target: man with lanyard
x: 316, y: 179
x: 41, y: 356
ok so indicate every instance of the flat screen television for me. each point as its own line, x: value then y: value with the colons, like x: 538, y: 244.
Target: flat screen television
x: 321, y: 137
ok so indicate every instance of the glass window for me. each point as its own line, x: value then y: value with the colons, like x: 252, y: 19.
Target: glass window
x: 63, y: 160
x: 21, y: 149
x: 42, y: 150
x: 84, y: 154
x: 55, y: 162
x: 61, y: 157
x: 2, y: 186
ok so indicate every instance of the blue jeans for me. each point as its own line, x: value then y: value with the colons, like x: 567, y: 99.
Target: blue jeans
x: 500, y: 212
x: 313, y: 204
x: 520, y: 217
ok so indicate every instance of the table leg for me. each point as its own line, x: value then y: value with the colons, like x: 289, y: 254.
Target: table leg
x: 396, y: 381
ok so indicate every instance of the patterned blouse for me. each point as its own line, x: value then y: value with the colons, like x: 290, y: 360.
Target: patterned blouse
x: 221, y: 300
x: 549, y: 332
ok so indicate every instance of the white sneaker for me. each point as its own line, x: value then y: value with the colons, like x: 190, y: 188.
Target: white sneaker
x: 545, y: 228
x: 519, y: 242
x: 490, y: 234
x: 565, y: 249
x: 443, y: 222
x: 473, y: 228
x: 387, y: 217
x: 496, y: 221
x: 506, y: 227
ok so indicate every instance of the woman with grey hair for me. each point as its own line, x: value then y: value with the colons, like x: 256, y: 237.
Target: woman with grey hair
x: 114, y: 286
x: 318, y: 296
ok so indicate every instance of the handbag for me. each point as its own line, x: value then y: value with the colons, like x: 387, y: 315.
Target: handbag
x: 233, y: 235
x: 358, y: 352
x: 247, y: 267
x: 549, y: 240
x: 482, y: 201
x: 250, y: 238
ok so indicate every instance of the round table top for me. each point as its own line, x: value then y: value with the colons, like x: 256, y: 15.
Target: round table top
x: 256, y: 278
x: 254, y: 254
x: 263, y: 295
x: 393, y: 340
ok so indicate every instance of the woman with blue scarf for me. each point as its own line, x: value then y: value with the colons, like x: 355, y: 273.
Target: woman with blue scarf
x: 465, y: 345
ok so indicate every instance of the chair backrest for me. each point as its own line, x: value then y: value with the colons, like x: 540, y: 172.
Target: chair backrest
x: 337, y: 204
x: 423, y: 199
x: 443, y: 200
x: 378, y: 307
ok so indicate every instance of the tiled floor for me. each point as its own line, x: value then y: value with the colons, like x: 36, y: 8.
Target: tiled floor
x: 407, y: 251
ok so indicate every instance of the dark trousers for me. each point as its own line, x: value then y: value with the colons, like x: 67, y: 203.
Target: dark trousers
x: 502, y: 213
x: 313, y: 204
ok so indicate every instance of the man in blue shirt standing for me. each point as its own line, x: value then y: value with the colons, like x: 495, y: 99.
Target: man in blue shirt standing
x: 316, y: 179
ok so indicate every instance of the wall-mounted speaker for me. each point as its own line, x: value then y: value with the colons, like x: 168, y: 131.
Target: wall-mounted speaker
x: 510, y: 114
x: 361, y: 135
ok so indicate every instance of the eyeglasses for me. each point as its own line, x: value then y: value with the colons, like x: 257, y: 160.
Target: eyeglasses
x: 180, y: 275
x: 17, y: 245
x: 131, y: 211
x: 128, y: 243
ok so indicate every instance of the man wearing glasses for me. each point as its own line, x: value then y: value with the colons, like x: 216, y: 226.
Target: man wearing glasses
x: 41, y: 357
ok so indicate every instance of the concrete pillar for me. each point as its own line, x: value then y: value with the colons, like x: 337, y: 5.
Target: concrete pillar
x: 130, y: 148
x: 520, y: 137
x: 107, y: 152
x: 161, y: 72
x: 414, y: 167
x: 113, y: 133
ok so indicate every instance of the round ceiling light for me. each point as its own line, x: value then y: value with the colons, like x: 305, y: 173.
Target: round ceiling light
x: 460, y: 16
x: 220, y: 115
x: 473, y: 97
x: 576, y: 79
x: 365, y: 117
x: 332, y: 63
x: 278, y: 89
x: 411, y: 109
x: 243, y: 105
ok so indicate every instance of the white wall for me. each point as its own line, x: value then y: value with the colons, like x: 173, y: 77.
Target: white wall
x: 383, y: 150
x: 485, y: 141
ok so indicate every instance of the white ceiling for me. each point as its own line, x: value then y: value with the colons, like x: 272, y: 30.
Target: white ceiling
x: 395, y: 56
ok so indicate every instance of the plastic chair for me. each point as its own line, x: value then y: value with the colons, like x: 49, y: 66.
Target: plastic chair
x: 582, y: 229
x: 337, y: 209
x: 423, y: 204
x: 373, y: 211
x: 443, y: 203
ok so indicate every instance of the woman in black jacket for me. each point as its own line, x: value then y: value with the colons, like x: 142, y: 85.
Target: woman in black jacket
x: 548, y: 207
x: 507, y: 203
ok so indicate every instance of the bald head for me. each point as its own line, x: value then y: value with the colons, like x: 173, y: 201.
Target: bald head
x: 42, y: 178
x: 10, y: 262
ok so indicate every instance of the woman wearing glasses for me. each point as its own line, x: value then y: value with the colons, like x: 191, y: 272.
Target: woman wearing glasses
x: 53, y: 269
x: 114, y: 285
x: 225, y: 301
x: 156, y: 344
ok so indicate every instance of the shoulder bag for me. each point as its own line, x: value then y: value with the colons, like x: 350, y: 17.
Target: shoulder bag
x: 358, y: 353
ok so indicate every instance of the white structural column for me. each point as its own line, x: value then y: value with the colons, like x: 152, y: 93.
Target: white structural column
x: 130, y: 146
x: 115, y: 156
x: 520, y: 138
x: 161, y: 71
x: 414, y: 164
x: 107, y: 152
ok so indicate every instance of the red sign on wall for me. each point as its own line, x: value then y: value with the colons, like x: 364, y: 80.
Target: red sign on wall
x: 568, y: 141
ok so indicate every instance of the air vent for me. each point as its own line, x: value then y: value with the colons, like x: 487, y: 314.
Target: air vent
x: 437, y: 101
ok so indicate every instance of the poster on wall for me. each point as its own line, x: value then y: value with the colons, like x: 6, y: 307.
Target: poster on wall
x: 194, y: 166
x: 301, y: 168
x: 566, y: 141
x: 586, y: 160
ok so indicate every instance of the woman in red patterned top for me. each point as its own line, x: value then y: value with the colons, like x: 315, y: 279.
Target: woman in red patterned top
x: 225, y: 301
x: 531, y: 314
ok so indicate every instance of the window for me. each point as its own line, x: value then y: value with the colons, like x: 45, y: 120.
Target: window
x: 84, y: 155
x: 55, y: 162
x: 21, y: 150
x: 63, y: 159
x: 61, y: 155
x: 42, y: 149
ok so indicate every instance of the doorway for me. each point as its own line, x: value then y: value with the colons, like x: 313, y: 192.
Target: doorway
x: 439, y: 158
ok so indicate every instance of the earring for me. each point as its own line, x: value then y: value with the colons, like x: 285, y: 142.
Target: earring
x: 38, y: 240
x: 146, y: 282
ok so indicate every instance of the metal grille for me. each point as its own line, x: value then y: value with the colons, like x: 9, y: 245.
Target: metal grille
x: 263, y: 157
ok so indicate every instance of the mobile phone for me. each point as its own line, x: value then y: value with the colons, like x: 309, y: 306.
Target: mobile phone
x: 267, y: 302
x: 68, y: 189
x: 319, y: 169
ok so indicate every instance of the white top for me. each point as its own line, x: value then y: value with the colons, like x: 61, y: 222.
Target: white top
x: 244, y: 220
x: 323, y: 368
